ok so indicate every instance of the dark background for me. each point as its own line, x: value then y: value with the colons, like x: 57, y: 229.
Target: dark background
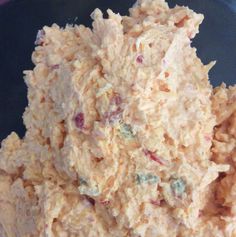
x: 21, y: 19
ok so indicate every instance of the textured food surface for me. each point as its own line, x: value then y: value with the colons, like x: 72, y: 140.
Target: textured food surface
x: 125, y: 135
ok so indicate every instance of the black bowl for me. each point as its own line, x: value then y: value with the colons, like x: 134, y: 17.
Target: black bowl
x: 21, y: 19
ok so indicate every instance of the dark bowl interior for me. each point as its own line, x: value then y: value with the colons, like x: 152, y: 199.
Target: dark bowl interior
x: 21, y: 19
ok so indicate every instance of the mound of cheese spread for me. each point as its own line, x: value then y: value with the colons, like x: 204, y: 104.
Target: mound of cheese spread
x: 125, y: 135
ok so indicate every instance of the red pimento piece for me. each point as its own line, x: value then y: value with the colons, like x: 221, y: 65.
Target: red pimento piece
x: 56, y: 66
x: 200, y: 214
x: 207, y: 137
x: 90, y: 200
x: 79, y: 120
x: 118, y: 100
x: 153, y: 156
x: 115, y: 111
x: 155, y: 202
x: 140, y: 59
x: 104, y: 202
x: 114, y: 115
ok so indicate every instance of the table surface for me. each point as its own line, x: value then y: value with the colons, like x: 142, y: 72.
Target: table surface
x: 21, y: 19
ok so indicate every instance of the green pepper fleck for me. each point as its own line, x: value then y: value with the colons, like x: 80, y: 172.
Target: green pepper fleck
x: 146, y: 178
x: 82, y: 181
x: 178, y: 186
x: 92, y: 192
x: 126, y: 131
